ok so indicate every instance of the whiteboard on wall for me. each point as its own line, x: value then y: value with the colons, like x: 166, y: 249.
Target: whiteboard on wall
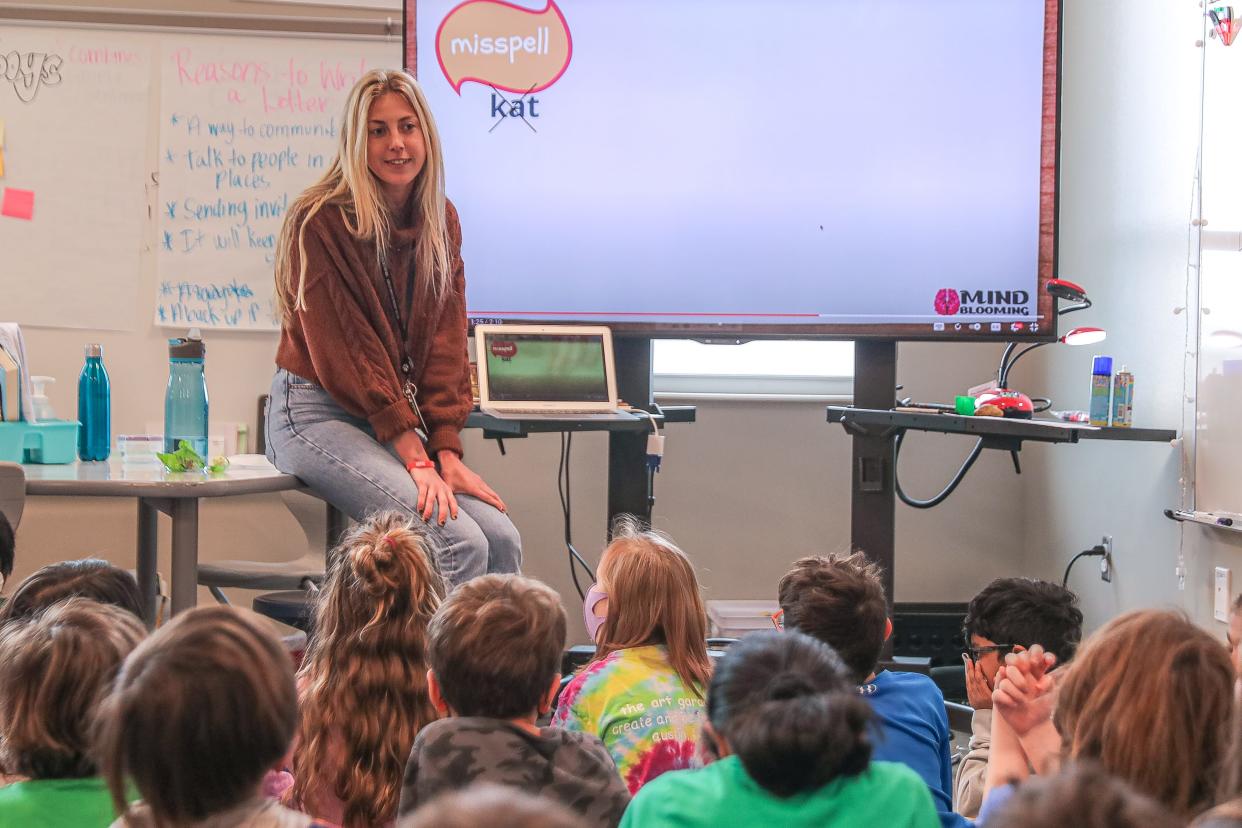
x: 1218, y: 396
x: 245, y: 125
x: 75, y: 106
x: 131, y: 152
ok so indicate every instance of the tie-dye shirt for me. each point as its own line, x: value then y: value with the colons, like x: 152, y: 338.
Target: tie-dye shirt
x: 638, y: 706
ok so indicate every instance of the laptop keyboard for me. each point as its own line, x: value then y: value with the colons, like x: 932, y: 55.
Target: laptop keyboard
x: 560, y: 412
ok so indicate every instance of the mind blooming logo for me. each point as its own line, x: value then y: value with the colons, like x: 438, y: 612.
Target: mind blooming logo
x: 504, y: 46
x: 947, y: 302
x: 964, y: 302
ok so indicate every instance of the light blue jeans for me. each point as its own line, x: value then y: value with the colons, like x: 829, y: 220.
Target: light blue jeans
x: 336, y: 454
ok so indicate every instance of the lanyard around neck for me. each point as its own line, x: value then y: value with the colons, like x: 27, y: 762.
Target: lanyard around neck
x: 406, y: 364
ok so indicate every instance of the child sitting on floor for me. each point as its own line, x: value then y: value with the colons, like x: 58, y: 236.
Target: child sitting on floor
x: 53, y: 670
x: 795, y: 748
x: 1149, y: 697
x: 87, y: 578
x: 495, y: 651
x: 1008, y: 615
x: 642, y: 692
x: 363, y: 684
x: 199, y: 713
x: 839, y: 599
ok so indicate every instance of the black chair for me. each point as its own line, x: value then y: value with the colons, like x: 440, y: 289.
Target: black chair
x: 293, y: 607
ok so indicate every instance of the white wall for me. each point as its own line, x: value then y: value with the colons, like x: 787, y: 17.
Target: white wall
x: 1129, y: 123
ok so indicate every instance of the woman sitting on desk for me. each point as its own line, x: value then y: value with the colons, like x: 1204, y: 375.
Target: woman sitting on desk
x: 372, y: 384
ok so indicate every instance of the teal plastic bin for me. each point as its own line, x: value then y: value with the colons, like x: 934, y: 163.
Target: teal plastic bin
x: 47, y: 442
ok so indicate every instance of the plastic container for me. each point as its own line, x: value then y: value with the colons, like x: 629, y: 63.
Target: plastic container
x: 1101, y: 390
x: 50, y: 442
x: 139, y: 449
x: 1123, y: 399
x: 735, y: 618
x: 94, y: 407
x: 185, y: 401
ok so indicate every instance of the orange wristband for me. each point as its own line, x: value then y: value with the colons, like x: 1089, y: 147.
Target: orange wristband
x: 419, y: 464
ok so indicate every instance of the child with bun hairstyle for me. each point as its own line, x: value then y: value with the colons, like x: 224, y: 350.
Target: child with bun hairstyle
x: 793, y: 737
x: 363, y: 685
x: 199, y: 712
x: 642, y: 693
x: 53, y: 670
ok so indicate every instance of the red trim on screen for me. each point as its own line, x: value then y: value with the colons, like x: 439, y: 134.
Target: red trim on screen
x: 580, y: 314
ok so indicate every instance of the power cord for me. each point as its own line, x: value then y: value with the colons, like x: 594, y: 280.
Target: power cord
x: 947, y: 490
x: 1097, y: 551
x: 563, y: 489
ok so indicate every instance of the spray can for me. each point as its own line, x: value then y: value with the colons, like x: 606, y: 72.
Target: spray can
x: 1123, y: 399
x: 1101, y: 387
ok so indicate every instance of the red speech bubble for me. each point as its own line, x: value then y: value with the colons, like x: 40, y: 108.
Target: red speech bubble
x: 504, y: 350
x: 505, y: 46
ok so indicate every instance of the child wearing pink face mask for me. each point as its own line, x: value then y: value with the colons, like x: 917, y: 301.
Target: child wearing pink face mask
x: 642, y: 693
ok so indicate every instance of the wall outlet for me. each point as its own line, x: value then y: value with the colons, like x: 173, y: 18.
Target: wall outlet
x: 1106, y: 562
x: 1222, y: 593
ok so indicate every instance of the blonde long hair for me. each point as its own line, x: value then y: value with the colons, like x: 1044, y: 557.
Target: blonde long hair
x: 654, y: 598
x: 350, y: 186
x: 363, y: 683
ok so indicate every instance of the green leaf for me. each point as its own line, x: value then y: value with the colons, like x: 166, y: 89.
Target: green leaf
x: 184, y: 459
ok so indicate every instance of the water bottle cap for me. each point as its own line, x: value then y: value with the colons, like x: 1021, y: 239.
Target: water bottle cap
x: 94, y: 350
x: 1103, y: 365
x: 181, y: 348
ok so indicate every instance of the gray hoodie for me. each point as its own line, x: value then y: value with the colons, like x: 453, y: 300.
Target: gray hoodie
x: 573, y: 768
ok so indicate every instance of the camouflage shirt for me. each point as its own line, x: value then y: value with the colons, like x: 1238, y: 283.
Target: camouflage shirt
x: 573, y: 768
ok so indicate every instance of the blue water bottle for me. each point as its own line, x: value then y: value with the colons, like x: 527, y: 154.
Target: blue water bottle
x: 94, y: 407
x: 185, y: 402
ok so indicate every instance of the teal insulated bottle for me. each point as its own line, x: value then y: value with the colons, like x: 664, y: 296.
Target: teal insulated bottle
x: 94, y: 407
x: 185, y: 402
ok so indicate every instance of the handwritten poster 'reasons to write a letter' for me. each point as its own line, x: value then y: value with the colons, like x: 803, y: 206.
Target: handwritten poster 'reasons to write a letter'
x: 75, y: 105
x: 246, y: 125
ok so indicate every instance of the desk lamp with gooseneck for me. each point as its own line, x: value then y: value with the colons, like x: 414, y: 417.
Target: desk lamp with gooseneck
x: 1014, y: 403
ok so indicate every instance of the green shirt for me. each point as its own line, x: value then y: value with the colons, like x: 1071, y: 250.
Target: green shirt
x: 723, y: 794
x: 56, y: 803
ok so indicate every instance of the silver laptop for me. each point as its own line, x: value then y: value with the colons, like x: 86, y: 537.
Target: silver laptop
x: 547, y: 372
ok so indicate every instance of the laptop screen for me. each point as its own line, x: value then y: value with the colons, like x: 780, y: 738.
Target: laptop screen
x: 530, y: 367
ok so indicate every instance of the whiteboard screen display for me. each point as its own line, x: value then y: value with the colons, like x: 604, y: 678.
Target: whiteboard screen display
x: 809, y: 167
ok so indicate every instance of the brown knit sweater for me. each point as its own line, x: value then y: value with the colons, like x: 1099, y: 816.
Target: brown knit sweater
x: 345, y: 339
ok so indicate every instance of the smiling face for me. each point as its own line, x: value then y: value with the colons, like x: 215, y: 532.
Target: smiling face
x: 396, y: 151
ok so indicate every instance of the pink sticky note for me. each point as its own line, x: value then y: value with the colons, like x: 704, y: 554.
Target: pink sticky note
x: 18, y: 203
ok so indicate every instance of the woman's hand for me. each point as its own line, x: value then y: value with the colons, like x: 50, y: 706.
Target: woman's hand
x: 433, y: 492
x: 462, y: 480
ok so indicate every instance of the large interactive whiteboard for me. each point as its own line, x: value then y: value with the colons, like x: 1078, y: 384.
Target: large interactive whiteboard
x: 830, y: 166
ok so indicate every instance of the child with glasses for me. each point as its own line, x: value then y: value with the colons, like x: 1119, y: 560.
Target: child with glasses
x: 1008, y: 615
